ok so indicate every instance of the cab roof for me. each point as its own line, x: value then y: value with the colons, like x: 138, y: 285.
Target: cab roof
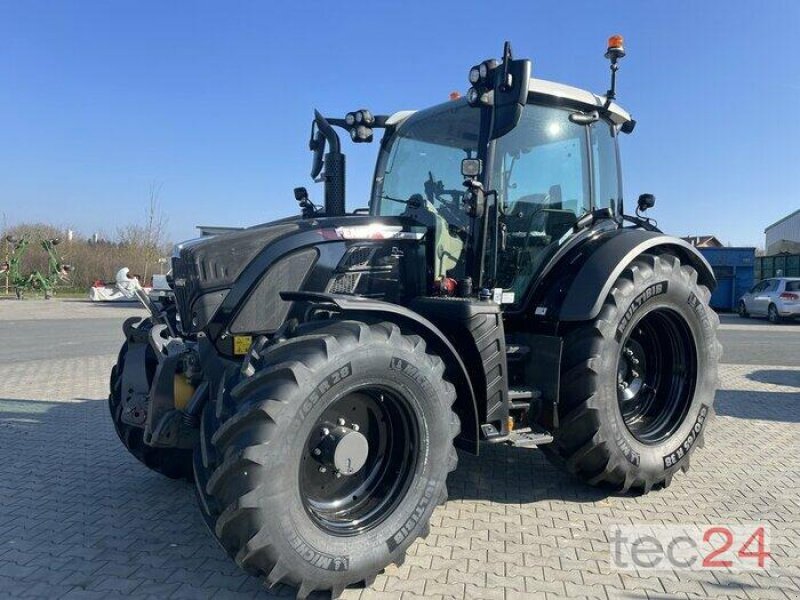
x: 570, y: 94
x: 557, y: 93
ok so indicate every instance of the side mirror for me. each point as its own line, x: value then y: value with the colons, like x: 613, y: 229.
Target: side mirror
x: 471, y: 167
x: 645, y: 201
x: 510, y: 93
x: 300, y: 194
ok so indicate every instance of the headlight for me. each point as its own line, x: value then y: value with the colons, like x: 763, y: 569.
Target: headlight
x: 350, y: 118
x: 485, y: 67
x: 474, y: 75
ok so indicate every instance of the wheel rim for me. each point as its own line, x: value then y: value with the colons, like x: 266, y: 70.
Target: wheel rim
x: 773, y: 314
x: 371, y: 432
x: 656, y: 374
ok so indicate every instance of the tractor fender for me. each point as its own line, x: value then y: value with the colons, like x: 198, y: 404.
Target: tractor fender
x: 594, y: 279
x: 466, y: 406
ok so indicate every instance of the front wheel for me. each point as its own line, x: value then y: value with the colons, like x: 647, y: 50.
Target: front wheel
x: 743, y: 310
x: 638, y: 382
x: 321, y: 468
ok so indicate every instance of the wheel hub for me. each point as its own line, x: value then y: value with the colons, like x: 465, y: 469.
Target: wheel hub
x: 359, y: 460
x: 656, y: 371
x: 343, y: 449
x: 631, y: 373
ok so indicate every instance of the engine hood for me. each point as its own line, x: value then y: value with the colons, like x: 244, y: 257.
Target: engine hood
x: 217, y: 261
x: 214, y: 276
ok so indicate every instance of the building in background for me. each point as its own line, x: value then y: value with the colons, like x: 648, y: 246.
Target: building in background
x: 783, y: 237
x: 734, y: 271
x: 206, y: 230
x: 703, y: 241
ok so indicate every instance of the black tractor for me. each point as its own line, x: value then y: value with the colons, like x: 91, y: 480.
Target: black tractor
x: 315, y: 375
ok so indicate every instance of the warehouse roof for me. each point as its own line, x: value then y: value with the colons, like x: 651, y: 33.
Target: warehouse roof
x: 786, y: 218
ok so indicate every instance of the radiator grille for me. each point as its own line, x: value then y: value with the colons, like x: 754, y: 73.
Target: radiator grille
x: 264, y: 311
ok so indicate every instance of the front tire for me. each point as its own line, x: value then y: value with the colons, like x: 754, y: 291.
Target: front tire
x: 322, y: 468
x: 743, y: 310
x: 638, y: 382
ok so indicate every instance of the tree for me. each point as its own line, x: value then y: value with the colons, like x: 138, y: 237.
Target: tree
x: 150, y: 237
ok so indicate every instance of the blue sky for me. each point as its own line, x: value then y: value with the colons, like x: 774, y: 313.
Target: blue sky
x: 214, y: 100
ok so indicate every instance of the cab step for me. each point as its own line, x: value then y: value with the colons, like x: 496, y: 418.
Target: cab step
x: 521, y: 398
x: 519, y: 438
x: 530, y: 439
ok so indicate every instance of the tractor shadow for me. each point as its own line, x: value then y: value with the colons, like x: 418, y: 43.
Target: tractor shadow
x: 84, y: 517
x: 782, y: 377
x: 761, y: 406
x: 510, y: 475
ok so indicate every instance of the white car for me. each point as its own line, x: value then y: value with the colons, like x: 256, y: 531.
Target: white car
x: 777, y: 298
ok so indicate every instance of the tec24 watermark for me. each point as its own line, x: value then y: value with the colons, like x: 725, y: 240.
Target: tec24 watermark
x: 701, y: 547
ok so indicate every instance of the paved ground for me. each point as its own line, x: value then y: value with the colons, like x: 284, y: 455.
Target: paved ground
x: 80, y: 518
x: 70, y: 328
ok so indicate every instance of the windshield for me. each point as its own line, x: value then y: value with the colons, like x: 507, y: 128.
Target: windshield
x: 423, y: 158
x: 547, y: 172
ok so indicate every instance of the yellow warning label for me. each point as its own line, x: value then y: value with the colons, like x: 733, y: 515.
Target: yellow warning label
x: 241, y: 343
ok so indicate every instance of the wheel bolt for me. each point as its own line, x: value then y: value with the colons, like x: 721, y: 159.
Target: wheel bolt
x: 635, y: 373
x: 340, y: 421
x: 634, y: 360
x: 325, y: 431
x: 338, y: 475
x: 322, y: 470
x: 317, y: 451
x: 621, y: 386
x: 355, y: 427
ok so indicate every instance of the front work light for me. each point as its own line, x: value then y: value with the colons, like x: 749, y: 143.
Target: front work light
x: 364, y: 117
x: 474, y: 75
x: 486, y: 67
x: 361, y: 133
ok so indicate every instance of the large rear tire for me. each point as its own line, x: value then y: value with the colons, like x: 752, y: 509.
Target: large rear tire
x: 638, y: 382
x: 322, y: 468
x: 174, y: 463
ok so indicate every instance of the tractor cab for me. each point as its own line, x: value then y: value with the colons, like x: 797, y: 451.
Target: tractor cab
x: 503, y: 179
x: 553, y: 168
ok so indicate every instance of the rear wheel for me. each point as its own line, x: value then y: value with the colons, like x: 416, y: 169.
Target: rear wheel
x: 175, y: 463
x: 772, y: 314
x: 322, y: 467
x: 638, y: 383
